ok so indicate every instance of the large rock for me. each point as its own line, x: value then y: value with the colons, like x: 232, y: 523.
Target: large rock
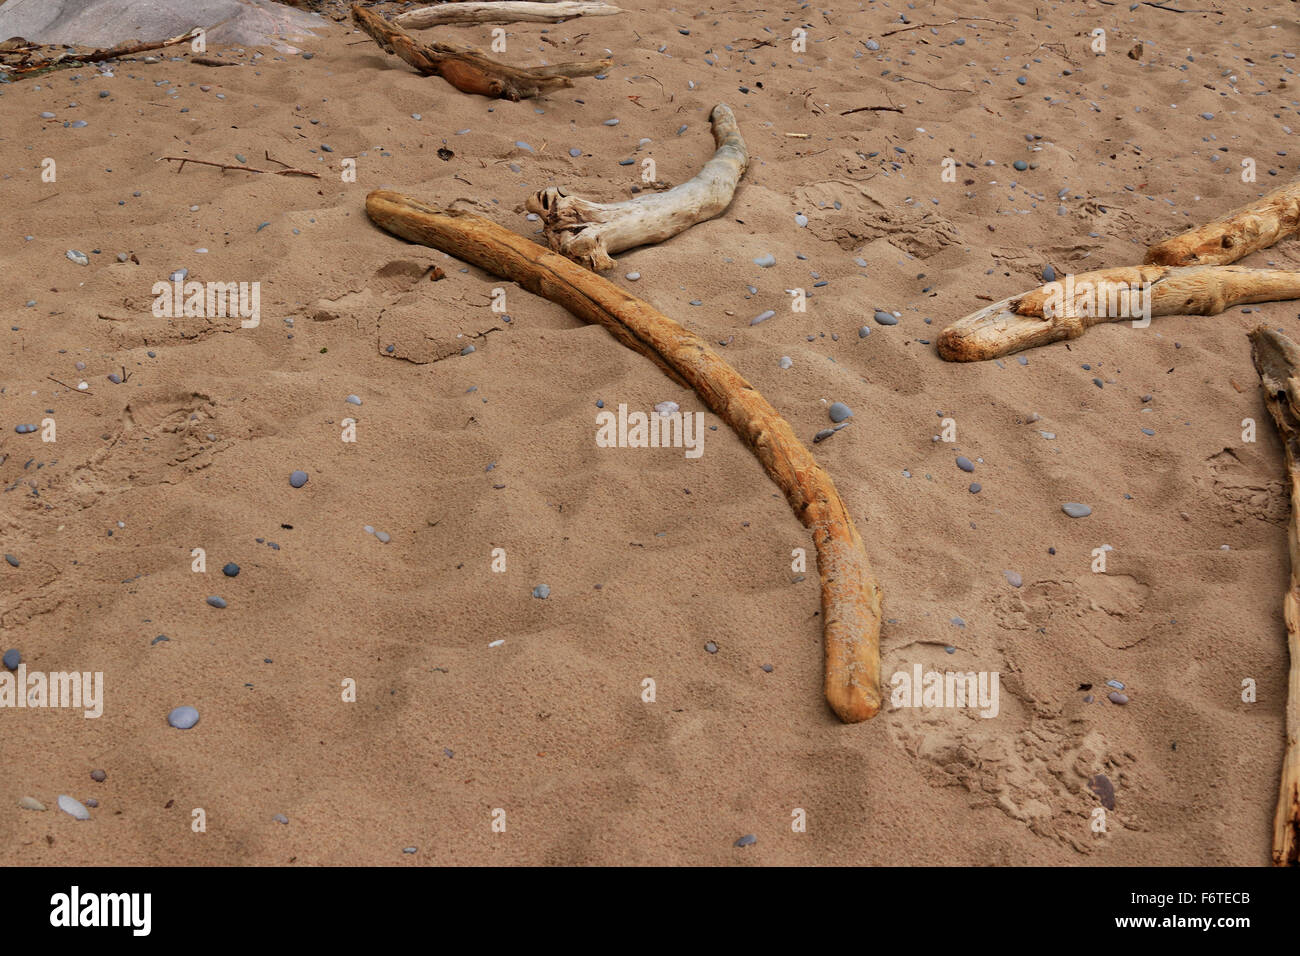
x: 106, y: 23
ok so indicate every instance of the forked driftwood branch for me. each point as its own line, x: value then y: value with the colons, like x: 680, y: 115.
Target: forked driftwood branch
x: 1188, y: 275
x: 1067, y: 308
x: 1278, y: 361
x: 31, y: 58
x: 502, y: 11
x: 850, y: 594
x: 468, y: 69
x: 1229, y: 238
x: 590, y: 232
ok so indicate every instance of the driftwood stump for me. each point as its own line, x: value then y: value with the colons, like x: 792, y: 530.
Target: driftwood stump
x: 850, y: 594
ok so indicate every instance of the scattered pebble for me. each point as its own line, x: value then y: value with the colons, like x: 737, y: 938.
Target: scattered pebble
x: 766, y: 261
x: 217, y: 602
x: 12, y: 659
x: 353, y: 400
x: 965, y: 464
x: 1115, y: 697
x: 542, y: 591
x: 183, y: 718
x: 886, y: 318
x: 13, y: 561
x: 30, y: 803
x: 73, y: 808
x: 98, y: 776
x: 231, y: 570
x: 80, y: 258
x: 298, y: 479
x: 747, y: 840
x: 711, y: 647
x: 839, y: 411
x: 280, y: 818
x: 383, y: 537
x: 1076, y: 510
x: 1013, y: 578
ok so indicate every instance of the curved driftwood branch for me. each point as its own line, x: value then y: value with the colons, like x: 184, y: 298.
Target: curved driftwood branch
x: 503, y: 11
x: 1065, y: 309
x: 466, y: 68
x: 590, y: 232
x: 1254, y: 226
x: 850, y: 594
x: 1278, y: 361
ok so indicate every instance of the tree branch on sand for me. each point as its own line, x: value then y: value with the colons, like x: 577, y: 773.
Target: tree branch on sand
x: 502, y: 11
x: 590, y: 232
x: 468, y: 69
x: 850, y: 594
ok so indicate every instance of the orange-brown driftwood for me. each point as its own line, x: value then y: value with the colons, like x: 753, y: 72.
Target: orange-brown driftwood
x: 1278, y: 361
x: 1232, y: 237
x: 1066, y: 308
x: 468, y: 69
x: 850, y: 594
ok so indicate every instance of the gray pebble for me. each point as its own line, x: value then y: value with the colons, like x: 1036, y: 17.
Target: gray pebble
x: 1115, y: 697
x: 1076, y: 510
x: 179, y: 275
x: 280, y: 818
x: 711, y: 647
x: 408, y: 849
x: 542, y: 591
x: 98, y: 776
x: 1118, y: 685
x: 73, y: 808
x: 965, y: 464
x: 298, y: 479
x: 611, y: 122
x: 786, y: 361
x: 1049, y: 274
x: 1013, y: 578
x: 575, y: 152
x: 767, y: 260
x: 383, y: 536
x: 633, y: 276
x: 839, y: 411
x: 872, y: 45
x: 231, y: 570
x: 886, y: 318
x: 30, y: 803
x: 863, y: 332
x: 80, y: 258
x: 183, y: 718
x: 218, y: 602
x: 975, y: 488
x: 12, y: 658
x: 13, y: 561
x: 747, y: 840
x: 468, y: 350
x: 353, y: 400
x: 763, y: 317
x: 800, y: 220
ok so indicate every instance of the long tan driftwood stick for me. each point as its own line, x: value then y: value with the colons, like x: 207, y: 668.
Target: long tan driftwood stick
x: 1065, y: 309
x: 590, y: 232
x: 1278, y: 361
x: 850, y: 594
x: 466, y: 68
x: 1254, y: 226
x: 502, y: 11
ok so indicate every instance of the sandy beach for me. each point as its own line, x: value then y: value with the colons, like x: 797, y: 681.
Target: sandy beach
x: 450, y: 624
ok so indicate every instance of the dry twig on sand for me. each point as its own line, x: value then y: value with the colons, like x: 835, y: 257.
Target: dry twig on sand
x: 850, y: 594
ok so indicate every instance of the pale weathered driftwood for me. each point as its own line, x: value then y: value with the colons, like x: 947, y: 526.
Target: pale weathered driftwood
x: 1109, y: 295
x: 468, y: 69
x: 1232, y: 237
x: 590, y: 232
x: 850, y: 594
x: 1278, y: 361
x: 503, y: 11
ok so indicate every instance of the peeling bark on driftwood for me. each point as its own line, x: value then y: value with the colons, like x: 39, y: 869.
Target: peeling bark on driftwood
x: 503, y: 11
x: 590, y: 232
x: 468, y: 69
x: 1278, y: 361
x: 850, y: 594
x: 1066, y: 308
x: 1254, y: 226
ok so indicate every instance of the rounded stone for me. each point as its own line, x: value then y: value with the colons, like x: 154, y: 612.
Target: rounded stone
x: 12, y: 658
x: 98, y: 776
x: 298, y: 479
x: 183, y: 718
x: 839, y: 411
x: 231, y: 570
x: 217, y: 602
x: 542, y: 591
x: 73, y: 807
x: 965, y: 464
x: 1076, y: 510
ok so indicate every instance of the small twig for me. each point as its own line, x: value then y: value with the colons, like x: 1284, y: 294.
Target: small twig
x: 79, y: 391
x: 873, y: 109
x: 918, y: 26
x: 243, y: 169
x: 946, y: 89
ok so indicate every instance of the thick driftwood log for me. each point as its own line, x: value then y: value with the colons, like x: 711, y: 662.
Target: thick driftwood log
x: 1254, y: 226
x: 466, y: 68
x: 502, y: 11
x: 1065, y: 309
x: 850, y: 594
x: 1278, y: 361
x: 590, y: 232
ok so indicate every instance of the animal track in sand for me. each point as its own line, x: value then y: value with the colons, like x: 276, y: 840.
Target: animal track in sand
x: 1105, y: 606
x: 865, y: 215
x: 1245, y: 496
x: 155, y: 443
